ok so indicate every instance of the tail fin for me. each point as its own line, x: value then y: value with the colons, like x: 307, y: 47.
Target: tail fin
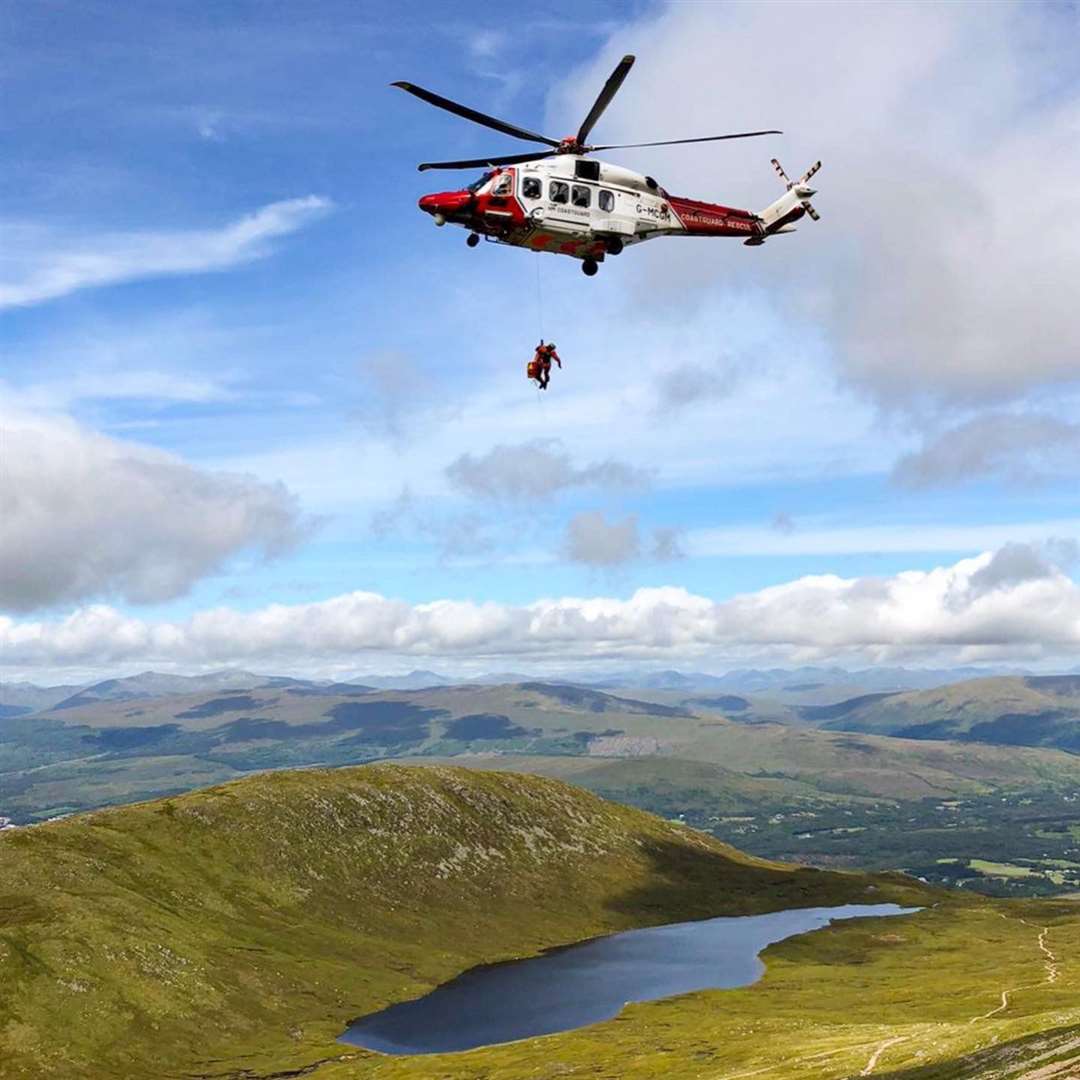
x: 780, y: 216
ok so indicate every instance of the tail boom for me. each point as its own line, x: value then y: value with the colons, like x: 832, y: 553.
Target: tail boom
x: 711, y: 219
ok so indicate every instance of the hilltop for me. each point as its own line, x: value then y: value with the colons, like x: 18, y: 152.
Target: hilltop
x: 1035, y: 710
x: 246, y: 924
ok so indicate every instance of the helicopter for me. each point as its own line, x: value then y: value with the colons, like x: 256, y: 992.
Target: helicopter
x: 561, y: 200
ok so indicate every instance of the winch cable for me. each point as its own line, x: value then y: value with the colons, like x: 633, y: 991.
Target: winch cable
x: 539, y: 315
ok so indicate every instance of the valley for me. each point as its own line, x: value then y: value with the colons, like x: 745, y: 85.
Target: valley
x: 750, y: 770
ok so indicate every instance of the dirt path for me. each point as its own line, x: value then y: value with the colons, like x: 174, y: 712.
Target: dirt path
x: 882, y: 1047
x: 1051, y: 959
x: 1001, y: 1008
x: 1050, y: 963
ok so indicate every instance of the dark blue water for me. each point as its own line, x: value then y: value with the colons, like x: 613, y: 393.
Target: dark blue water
x: 582, y: 984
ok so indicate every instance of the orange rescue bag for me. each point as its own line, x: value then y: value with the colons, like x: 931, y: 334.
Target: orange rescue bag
x: 532, y: 369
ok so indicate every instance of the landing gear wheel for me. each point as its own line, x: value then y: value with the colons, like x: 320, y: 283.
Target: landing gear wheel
x: 589, y: 267
x: 613, y: 245
x: 473, y: 239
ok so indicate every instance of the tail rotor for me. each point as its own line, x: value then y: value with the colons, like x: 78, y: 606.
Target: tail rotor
x: 779, y: 217
x: 800, y: 188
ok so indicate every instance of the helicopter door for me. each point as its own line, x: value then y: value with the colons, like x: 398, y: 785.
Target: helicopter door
x: 563, y: 213
x: 498, y: 209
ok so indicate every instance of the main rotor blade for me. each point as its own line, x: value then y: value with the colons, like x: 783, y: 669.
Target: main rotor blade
x: 473, y: 115
x: 611, y: 88
x: 483, y: 163
x: 680, y: 142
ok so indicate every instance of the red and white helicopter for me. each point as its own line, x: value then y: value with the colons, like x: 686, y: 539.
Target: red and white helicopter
x: 560, y: 201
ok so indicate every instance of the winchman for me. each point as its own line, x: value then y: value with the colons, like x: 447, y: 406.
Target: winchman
x: 539, y: 368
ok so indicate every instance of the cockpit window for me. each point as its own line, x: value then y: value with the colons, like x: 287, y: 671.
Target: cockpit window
x: 532, y: 187
x: 504, y: 185
x: 476, y: 185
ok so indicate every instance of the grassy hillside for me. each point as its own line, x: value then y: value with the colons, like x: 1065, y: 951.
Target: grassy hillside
x: 941, y: 809
x: 1033, y: 711
x: 954, y: 993
x: 235, y: 931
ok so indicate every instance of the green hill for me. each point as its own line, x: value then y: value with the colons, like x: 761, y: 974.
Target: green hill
x: 241, y: 927
x: 787, y: 791
x: 233, y: 933
x: 1035, y: 710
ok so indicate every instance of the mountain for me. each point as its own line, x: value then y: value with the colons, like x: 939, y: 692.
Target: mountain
x: 23, y: 698
x: 414, y: 680
x: 237, y: 930
x: 107, y: 751
x: 1033, y: 710
x: 151, y: 684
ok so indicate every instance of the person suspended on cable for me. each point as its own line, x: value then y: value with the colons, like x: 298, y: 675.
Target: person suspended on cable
x: 540, y: 366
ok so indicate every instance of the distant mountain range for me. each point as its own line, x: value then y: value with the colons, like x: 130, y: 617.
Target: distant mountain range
x: 24, y: 698
x: 1032, y: 710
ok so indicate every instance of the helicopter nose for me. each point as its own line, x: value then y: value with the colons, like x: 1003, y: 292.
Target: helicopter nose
x: 445, y: 202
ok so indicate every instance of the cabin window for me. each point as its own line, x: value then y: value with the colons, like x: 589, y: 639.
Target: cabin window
x: 582, y: 196
x: 476, y: 185
x: 559, y: 192
x: 532, y: 187
x: 606, y: 199
x: 504, y: 185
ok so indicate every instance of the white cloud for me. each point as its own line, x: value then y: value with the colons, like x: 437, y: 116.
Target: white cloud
x: 87, y: 516
x: 119, y: 385
x: 943, y: 263
x: 536, y: 469
x: 969, y: 610
x: 1017, y: 447
x: 813, y: 538
x: 39, y: 263
x: 690, y: 384
x: 593, y: 540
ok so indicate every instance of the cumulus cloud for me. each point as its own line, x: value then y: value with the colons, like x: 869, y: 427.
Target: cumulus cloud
x: 911, y: 614
x: 40, y: 263
x: 85, y: 516
x: 537, y: 469
x: 948, y: 132
x: 1017, y: 447
x: 1017, y: 563
x: 593, y: 540
x: 667, y: 544
x: 691, y: 383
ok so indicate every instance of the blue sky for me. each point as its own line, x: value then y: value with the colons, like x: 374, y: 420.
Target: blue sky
x: 240, y: 369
